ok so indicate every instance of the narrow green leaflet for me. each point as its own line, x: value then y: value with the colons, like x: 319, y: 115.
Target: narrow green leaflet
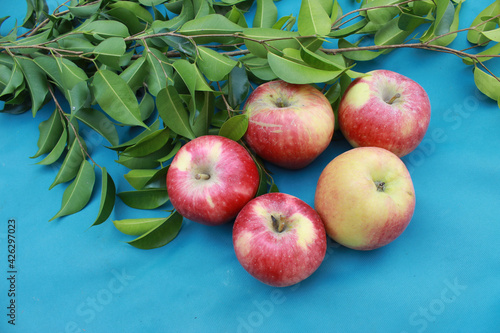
x: 78, y: 193
x: 299, y: 73
x: 110, y: 51
x: 161, y: 235
x: 71, y: 164
x: 57, y: 151
x: 50, y: 132
x: 136, y: 227
x: 159, y: 71
x: 85, y: 11
x: 214, y: 65
x: 108, y: 195
x: 96, y: 120
x: 116, y: 98
x: 145, y: 199
x: 493, y: 35
x: 487, y: 84
x: 203, y: 108
x: 121, y: 147
x: 135, y: 73
x: 173, y: 112
x: 191, y: 76
x: 235, y: 127
x: 238, y: 86
x: 12, y: 81
x: 37, y: 82
x: 475, y: 35
x: 210, y: 24
x: 138, y: 178
x: 265, y: 15
x: 313, y: 19
x: 150, y: 144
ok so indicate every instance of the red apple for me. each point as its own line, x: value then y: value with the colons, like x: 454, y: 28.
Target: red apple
x: 279, y: 239
x: 365, y: 198
x: 289, y: 124
x: 385, y: 109
x: 210, y: 179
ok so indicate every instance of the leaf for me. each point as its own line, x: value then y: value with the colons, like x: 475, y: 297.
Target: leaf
x: 139, y: 226
x: 147, y: 106
x: 102, y: 29
x: 108, y: 195
x: 284, y: 40
x: 50, y: 132
x: 173, y: 112
x: 475, y: 35
x: 361, y: 55
x: 37, y: 82
x: 85, y: 11
x: 238, y: 86
x: 134, y: 75
x: 210, y: 24
x: 161, y: 235
x: 487, y: 84
x: 191, y: 76
x: 299, y: 73
x: 142, y: 13
x: 57, y: 151
x: 235, y: 127
x: 321, y: 60
x: 153, y: 127
x: 138, y: 178
x: 265, y: 15
x: 116, y: 98
x: 71, y: 74
x: 214, y: 65
x: 12, y: 81
x: 150, y: 144
x: 78, y: 193
x: 99, y: 123
x: 313, y: 19
x: 349, y: 30
x: 144, y: 199
x: 110, y: 51
x: 71, y: 164
x: 159, y: 71
x: 493, y: 35
x: 204, y: 109
x: 391, y: 34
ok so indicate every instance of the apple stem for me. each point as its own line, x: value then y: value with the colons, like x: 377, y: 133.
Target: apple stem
x: 394, y: 98
x: 202, y: 176
x: 278, y: 225
x: 380, y: 186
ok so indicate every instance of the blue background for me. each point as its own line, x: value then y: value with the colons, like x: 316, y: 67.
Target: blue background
x: 441, y: 275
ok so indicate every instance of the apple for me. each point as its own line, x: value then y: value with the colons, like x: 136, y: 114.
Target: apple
x: 211, y: 178
x: 384, y: 109
x: 289, y: 124
x: 365, y: 197
x: 279, y: 239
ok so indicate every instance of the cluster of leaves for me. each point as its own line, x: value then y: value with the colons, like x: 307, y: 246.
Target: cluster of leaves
x: 170, y: 71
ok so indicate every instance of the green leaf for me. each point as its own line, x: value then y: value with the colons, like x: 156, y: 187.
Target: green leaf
x: 144, y: 199
x: 299, y: 73
x: 321, y: 60
x: 391, y: 34
x: 147, y: 106
x: 37, y: 82
x: 85, y: 11
x: 348, y: 30
x: 57, y: 151
x: 235, y: 127
x: 116, y: 98
x: 135, y: 227
x: 150, y: 144
x: 361, y: 55
x: 210, y: 24
x: 487, y: 84
x: 108, y: 195
x: 173, y: 112
x: 78, y: 193
x: 138, y: 178
x: 493, y: 35
x: 265, y: 15
x: 12, y: 81
x: 284, y: 39
x: 50, y: 133
x: 475, y: 36
x: 71, y: 164
x: 313, y: 19
x: 214, y: 65
x: 142, y: 13
x: 71, y: 74
x: 153, y: 127
x: 191, y: 76
x: 161, y: 235
x: 159, y: 71
x: 102, y: 29
x: 204, y: 109
x: 238, y: 86
x: 134, y: 75
x: 110, y: 51
x: 99, y: 123
x: 151, y: 3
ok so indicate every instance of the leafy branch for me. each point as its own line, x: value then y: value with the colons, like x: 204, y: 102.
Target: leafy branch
x: 126, y: 64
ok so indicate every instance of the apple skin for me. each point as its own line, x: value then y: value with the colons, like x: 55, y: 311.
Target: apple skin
x: 366, y: 117
x: 356, y: 213
x: 233, y: 179
x: 279, y: 258
x: 289, y: 124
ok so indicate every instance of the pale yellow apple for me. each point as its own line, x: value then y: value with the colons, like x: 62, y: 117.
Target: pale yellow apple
x: 365, y: 198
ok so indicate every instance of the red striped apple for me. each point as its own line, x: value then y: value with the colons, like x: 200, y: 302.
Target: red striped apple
x: 365, y: 197
x: 289, y: 124
x: 385, y: 109
x: 210, y: 179
x: 279, y: 239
